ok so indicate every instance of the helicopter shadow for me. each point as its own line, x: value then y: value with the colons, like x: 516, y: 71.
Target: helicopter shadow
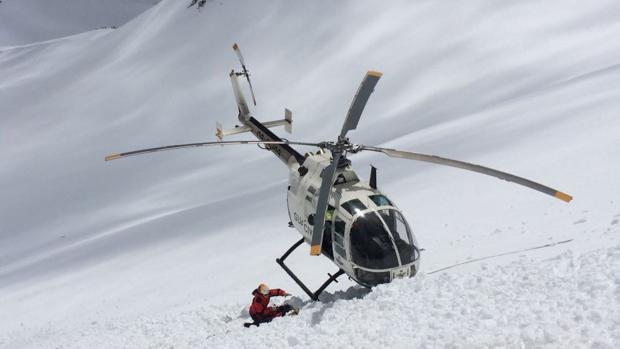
x: 327, y: 300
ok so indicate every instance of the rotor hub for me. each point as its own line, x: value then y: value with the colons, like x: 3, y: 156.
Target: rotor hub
x: 341, y: 146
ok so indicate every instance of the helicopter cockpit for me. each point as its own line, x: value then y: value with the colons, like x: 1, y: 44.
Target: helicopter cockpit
x: 378, y: 239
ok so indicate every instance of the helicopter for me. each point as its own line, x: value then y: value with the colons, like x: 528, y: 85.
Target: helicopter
x: 341, y: 217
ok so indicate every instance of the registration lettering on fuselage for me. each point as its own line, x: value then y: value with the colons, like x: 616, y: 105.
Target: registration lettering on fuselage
x: 302, y: 222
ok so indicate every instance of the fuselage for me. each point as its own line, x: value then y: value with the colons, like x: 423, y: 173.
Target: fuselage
x: 365, y: 234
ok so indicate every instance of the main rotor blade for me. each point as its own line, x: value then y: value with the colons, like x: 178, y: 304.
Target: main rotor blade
x: 471, y: 167
x: 329, y: 175
x: 202, y: 144
x: 359, y: 101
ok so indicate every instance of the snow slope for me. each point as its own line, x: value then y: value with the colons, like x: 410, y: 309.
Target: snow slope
x: 27, y: 21
x: 163, y: 250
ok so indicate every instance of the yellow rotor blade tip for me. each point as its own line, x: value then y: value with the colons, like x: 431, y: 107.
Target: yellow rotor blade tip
x: 112, y: 157
x: 563, y: 196
x: 375, y: 73
x: 315, y: 250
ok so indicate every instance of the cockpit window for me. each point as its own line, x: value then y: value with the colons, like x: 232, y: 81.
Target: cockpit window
x: 380, y: 200
x: 371, y: 245
x: 402, y: 236
x: 353, y: 206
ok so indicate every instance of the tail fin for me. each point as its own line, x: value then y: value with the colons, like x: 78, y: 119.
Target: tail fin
x: 242, y: 105
x: 288, y: 117
x: 249, y: 124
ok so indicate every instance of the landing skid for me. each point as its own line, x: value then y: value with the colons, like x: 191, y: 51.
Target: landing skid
x: 313, y: 295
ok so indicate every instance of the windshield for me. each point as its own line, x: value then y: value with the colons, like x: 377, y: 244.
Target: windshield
x: 402, y: 236
x: 371, y: 245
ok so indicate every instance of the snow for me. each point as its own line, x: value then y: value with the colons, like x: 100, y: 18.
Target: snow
x: 563, y: 301
x: 28, y: 21
x: 163, y: 250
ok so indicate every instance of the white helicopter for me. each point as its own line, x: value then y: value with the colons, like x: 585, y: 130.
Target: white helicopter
x: 349, y: 221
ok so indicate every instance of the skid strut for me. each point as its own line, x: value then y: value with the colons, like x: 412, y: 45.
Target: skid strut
x: 314, y: 296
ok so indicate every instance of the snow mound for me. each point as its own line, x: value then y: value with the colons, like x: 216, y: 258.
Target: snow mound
x: 567, y: 301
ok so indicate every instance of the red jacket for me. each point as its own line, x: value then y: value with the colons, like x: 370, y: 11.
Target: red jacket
x: 260, y: 304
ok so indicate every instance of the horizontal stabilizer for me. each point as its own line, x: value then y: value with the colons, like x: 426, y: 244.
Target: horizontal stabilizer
x: 220, y: 133
x: 286, y: 122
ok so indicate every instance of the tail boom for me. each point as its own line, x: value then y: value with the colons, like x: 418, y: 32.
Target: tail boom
x: 284, y: 152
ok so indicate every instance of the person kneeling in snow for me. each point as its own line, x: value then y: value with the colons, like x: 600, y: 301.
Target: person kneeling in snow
x: 261, y: 312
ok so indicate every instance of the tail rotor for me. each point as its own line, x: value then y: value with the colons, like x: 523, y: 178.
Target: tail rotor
x: 245, y: 71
